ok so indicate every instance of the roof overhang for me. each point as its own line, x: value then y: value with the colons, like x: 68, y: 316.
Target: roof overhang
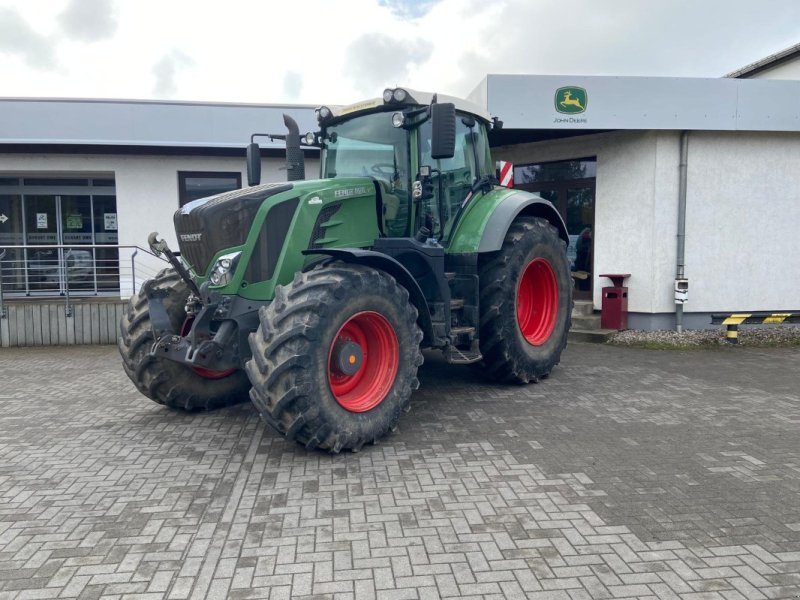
x: 640, y: 103
x: 131, y: 123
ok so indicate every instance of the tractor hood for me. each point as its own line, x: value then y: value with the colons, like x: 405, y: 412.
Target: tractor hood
x: 208, y: 225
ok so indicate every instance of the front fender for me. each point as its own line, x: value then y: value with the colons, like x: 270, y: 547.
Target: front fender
x: 386, y: 263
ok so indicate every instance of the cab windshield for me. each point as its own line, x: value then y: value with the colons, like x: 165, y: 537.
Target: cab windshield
x: 368, y: 146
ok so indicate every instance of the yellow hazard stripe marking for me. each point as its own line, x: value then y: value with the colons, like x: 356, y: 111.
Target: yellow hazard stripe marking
x: 777, y: 318
x: 736, y: 319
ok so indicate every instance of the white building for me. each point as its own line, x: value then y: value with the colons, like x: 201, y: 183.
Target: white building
x: 83, y: 172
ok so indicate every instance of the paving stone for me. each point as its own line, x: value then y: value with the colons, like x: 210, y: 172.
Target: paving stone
x: 627, y: 473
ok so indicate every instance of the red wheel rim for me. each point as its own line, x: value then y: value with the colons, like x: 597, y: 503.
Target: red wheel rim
x: 537, y: 301
x: 377, y: 341
x: 204, y: 373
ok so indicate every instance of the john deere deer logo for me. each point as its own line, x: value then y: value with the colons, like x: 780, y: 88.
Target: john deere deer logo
x: 571, y: 100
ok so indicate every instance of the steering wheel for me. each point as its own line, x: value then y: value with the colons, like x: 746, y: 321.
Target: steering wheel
x: 383, y: 169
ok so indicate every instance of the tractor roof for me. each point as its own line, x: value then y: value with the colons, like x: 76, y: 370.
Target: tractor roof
x: 397, y: 98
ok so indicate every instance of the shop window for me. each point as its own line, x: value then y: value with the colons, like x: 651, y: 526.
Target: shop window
x: 193, y: 185
x: 57, y: 226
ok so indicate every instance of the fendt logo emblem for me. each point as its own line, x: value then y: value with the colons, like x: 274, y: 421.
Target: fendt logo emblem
x: 191, y: 237
x: 571, y: 100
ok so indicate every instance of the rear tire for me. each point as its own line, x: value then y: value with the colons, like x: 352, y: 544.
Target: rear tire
x: 164, y: 381
x: 297, y: 388
x: 526, y: 303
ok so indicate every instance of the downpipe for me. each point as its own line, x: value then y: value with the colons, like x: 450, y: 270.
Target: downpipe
x: 680, y: 262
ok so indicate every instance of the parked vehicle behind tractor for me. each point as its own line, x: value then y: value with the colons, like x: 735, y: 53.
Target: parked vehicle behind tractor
x: 316, y: 297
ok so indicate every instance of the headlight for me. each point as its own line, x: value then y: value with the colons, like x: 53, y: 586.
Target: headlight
x: 323, y: 113
x: 398, y: 119
x: 223, y: 269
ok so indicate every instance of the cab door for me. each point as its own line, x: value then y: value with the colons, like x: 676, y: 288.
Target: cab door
x: 452, y: 178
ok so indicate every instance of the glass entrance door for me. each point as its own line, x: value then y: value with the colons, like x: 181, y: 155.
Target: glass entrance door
x: 570, y: 186
x: 42, y: 228
x: 76, y: 228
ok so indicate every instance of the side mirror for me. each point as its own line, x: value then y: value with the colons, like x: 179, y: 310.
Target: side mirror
x: 443, y: 124
x: 253, y: 164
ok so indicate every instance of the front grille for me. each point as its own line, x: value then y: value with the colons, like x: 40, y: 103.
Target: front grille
x: 206, y: 226
x: 270, y: 241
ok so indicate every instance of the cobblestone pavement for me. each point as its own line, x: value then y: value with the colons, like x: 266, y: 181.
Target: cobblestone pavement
x: 627, y: 474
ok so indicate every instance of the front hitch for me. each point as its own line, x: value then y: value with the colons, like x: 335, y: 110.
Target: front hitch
x: 199, y: 347
x: 217, y: 354
x: 159, y: 247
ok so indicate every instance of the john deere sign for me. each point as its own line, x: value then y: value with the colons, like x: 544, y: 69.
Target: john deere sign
x: 571, y: 100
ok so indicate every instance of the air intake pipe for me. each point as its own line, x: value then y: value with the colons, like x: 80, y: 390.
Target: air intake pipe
x: 295, y: 160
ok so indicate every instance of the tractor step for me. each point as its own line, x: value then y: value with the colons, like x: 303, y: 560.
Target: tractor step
x: 456, y: 303
x: 461, y: 356
x: 461, y: 330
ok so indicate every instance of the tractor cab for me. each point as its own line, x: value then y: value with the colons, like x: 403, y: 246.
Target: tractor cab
x: 409, y: 141
x: 426, y: 154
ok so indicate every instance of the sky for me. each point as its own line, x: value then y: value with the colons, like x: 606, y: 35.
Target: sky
x: 341, y: 51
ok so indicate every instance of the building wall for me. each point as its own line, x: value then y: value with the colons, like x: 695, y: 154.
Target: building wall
x: 743, y: 215
x: 743, y: 219
x: 147, y: 188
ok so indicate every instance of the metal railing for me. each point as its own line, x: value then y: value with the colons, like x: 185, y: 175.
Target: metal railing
x: 59, y: 271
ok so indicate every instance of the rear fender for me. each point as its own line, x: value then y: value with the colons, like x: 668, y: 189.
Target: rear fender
x: 382, y: 262
x: 513, y: 206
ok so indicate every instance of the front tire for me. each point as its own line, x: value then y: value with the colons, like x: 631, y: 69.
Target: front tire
x: 526, y: 303
x: 335, y: 357
x: 164, y: 381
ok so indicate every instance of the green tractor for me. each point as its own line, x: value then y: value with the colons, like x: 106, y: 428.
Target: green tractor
x: 316, y: 297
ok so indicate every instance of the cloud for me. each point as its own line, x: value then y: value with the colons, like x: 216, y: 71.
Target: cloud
x: 292, y: 85
x: 166, y: 70
x: 18, y: 38
x: 374, y: 61
x: 408, y: 9
x: 88, y: 20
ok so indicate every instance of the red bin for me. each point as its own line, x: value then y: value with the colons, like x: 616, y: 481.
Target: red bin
x: 614, y: 306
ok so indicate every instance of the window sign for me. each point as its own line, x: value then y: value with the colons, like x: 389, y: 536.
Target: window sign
x: 42, y: 238
x: 110, y: 221
x: 41, y: 220
x: 77, y: 238
x: 75, y: 222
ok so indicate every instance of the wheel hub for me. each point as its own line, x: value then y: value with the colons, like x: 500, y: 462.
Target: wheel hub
x: 363, y: 361
x: 347, y: 357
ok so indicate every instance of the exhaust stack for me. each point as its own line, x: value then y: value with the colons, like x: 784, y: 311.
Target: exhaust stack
x: 295, y: 160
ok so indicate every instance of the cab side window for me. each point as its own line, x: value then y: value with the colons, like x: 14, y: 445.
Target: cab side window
x: 452, y: 177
